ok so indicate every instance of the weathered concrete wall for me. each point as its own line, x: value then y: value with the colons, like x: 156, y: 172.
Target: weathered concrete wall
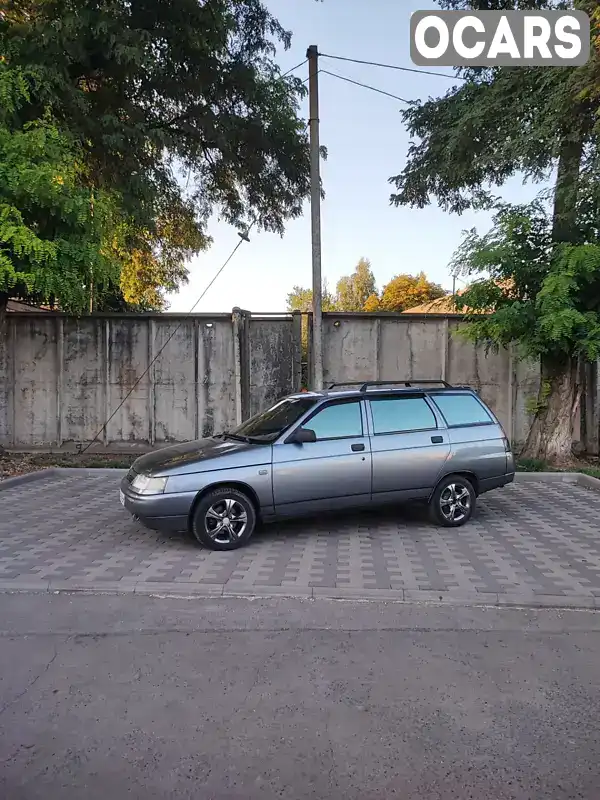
x: 167, y: 378
x: 273, y: 359
x: 391, y: 347
x: 62, y: 378
x: 6, y: 379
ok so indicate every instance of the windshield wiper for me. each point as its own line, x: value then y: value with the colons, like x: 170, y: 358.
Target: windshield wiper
x: 234, y: 436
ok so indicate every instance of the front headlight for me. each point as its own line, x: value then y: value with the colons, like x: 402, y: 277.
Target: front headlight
x: 144, y: 484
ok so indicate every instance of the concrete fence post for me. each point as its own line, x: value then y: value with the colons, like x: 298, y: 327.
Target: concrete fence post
x: 7, y: 386
x: 296, y: 351
x: 236, y: 321
x: 310, y: 369
x: 12, y: 415
x: 245, y: 363
x: 107, y: 354
x: 510, y: 432
x: 60, y: 374
x: 445, y: 349
x: 241, y: 352
x: 151, y: 382
x: 197, y: 409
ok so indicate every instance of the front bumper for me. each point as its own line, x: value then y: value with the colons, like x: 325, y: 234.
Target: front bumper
x: 161, y: 512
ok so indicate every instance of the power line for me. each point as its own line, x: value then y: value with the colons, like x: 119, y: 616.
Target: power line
x: 293, y: 69
x: 394, y: 66
x: 243, y: 238
x: 366, y: 86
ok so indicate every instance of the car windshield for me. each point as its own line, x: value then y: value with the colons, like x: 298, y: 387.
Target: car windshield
x: 268, y: 425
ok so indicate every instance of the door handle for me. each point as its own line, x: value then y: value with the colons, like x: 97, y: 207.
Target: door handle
x: 358, y: 448
x: 437, y: 439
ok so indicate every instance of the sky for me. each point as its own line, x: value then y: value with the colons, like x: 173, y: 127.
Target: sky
x: 367, y: 143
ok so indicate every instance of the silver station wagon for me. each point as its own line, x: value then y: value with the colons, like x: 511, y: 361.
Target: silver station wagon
x: 313, y: 452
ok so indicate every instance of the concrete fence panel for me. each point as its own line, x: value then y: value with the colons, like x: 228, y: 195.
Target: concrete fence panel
x: 151, y: 379
x: 272, y: 360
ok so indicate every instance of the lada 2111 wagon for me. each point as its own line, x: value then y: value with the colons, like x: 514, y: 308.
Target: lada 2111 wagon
x: 313, y: 452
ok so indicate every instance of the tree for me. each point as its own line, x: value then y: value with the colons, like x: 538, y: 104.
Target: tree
x: 352, y: 291
x: 54, y: 233
x: 177, y: 109
x: 407, y: 291
x: 372, y: 303
x: 300, y: 299
x: 545, y: 298
x: 541, y: 123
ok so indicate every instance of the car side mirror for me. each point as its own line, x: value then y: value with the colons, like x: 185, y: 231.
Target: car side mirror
x: 302, y: 436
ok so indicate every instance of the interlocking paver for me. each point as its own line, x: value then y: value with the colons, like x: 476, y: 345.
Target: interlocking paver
x: 530, y: 540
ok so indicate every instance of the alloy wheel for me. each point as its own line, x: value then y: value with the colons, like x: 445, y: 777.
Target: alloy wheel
x: 226, y: 521
x: 455, y: 502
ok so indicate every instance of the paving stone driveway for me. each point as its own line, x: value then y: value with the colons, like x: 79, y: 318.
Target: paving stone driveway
x: 531, y: 543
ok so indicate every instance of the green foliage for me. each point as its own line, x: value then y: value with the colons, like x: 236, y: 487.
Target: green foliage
x: 53, y: 229
x: 353, y: 291
x: 164, y: 88
x: 539, y: 465
x: 358, y: 292
x: 497, y: 123
x: 174, y: 109
x: 541, y: 295
x: 372, y: 303
x: 532, y: 465
x: 408, y: 291
x: 300, y: 299
x: 533, y: 405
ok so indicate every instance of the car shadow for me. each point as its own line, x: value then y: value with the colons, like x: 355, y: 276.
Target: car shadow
x: 340, y: 523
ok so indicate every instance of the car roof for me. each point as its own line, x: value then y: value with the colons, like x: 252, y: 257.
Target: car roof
x: 370, y: 388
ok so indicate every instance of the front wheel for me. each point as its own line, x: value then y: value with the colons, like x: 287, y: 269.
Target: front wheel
x: 224, y: 519
x: 453, y: 502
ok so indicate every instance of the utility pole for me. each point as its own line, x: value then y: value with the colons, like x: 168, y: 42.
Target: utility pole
x: 312, y: 55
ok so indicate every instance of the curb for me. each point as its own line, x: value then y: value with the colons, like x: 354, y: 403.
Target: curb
x: 577, y: 478
x: 28, y: 477
x: 197, y: 591
x: 56, y: 472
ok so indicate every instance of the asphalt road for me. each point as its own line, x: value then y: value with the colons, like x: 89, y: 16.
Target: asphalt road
x: 114, y: 697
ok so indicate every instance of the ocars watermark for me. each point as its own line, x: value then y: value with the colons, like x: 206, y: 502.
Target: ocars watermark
x: 500, y: 38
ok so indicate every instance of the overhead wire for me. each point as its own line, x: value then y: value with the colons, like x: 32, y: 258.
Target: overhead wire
x: 366, y: 86
x: 393, y: 66
x: 243, y: 238
x: 293, y: 69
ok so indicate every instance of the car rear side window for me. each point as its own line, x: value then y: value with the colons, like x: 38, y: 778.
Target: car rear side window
x: 462, y: 409
x: 339, y: 421
x: 401, y: 415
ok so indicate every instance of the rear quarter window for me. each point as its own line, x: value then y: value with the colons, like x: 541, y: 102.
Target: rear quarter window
x: 462, y: 409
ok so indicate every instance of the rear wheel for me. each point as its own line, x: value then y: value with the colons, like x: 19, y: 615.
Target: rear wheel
x: 453, y: 502
x: 224, y: 519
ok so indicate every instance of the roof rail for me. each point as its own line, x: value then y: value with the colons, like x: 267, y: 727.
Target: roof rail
x: 364, y: 385
x: 345, y: 383
x: 407, y: 384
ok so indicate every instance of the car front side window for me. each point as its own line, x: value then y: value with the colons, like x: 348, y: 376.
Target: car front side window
x: 337, y: 421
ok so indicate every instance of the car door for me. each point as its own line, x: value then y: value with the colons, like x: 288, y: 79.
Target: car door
x: 332, y: 472
x: 409, y: 448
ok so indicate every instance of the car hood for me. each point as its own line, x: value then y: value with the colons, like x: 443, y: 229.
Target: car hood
x: 202, y: 455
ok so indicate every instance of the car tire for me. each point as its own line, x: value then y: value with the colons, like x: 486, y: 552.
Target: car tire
x: 453, y: 502
x: 224, y: 519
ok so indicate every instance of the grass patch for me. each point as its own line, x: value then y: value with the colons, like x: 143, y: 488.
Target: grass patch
x: 12, y: 464
x: 536, y: 465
